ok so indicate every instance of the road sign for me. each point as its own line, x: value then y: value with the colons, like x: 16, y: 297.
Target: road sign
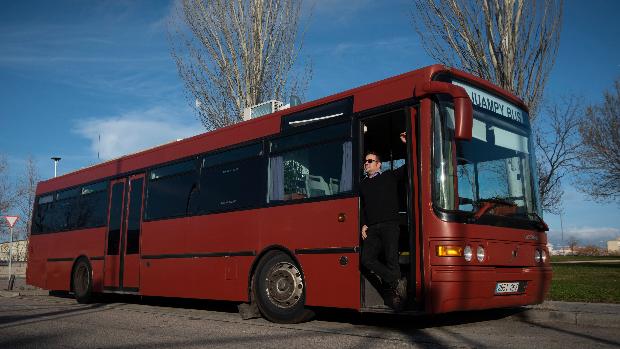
x: 11, y: 220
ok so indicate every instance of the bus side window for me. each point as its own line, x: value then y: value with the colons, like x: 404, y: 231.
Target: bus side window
x: 233, y: 185
x: 311, y: 172
x: 169, y: 190
x: 233, y: 179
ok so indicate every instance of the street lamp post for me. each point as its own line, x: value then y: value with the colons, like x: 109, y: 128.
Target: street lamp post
x: 56, y: 159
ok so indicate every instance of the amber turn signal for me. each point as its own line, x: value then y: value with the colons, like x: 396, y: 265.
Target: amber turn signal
x: 449, y: 251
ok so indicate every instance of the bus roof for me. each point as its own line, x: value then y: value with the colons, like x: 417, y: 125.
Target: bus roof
x: 390, y: 90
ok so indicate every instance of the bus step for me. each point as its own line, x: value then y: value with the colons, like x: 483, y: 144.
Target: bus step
x: 387, y: 310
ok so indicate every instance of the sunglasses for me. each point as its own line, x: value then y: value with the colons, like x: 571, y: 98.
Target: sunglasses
x: 370, y: 161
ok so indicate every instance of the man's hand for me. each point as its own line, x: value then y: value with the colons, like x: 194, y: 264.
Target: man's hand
x: 403, y: 137
x: 364, y: 229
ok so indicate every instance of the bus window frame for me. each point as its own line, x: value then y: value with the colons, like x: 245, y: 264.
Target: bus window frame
x: 457, y: 216
x: 54, y: 198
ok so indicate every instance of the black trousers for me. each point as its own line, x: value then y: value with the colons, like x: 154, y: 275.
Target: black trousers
x: 382, y: 239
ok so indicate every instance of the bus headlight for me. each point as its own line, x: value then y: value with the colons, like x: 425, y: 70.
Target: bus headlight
x: 538, y: 256
x: 543, y: 255
x: 480, y: 253
x: 467, y: 253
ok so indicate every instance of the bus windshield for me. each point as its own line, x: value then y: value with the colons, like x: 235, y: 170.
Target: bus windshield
x: 490, y: 176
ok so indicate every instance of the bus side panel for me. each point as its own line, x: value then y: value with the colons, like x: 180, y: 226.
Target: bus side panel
x: 58, y: 275
x: 185, y: 257
x: 222, y: 278
x: 37, y: 257
x: 97, y: 266
x: 206, y: 256
x: 62, y: 250
x: 330, y: 284
x: 310, y: 230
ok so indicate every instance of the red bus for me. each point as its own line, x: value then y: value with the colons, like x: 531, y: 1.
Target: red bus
x: 266, y: 211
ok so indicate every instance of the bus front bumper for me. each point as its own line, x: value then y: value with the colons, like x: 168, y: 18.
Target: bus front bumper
x: 470, y: 288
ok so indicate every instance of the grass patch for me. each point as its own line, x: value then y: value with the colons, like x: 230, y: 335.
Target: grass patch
x: 586, y: 282
x: 581, y: 258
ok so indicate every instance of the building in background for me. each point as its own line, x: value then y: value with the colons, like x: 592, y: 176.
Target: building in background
x: 613, y: 246
x: 19, y: 251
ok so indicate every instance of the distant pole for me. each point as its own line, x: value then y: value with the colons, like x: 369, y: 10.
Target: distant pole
x: 56, y: 159
x: 562, y: 227
x: 11, y: 252
x: 11, y: 220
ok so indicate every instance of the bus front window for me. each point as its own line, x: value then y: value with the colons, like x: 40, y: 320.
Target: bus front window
x: 490, y: 176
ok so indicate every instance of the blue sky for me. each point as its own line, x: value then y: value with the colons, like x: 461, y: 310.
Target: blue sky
x: 73, y: 70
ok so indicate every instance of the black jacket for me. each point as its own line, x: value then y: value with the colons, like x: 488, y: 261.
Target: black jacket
x: 380, y: 196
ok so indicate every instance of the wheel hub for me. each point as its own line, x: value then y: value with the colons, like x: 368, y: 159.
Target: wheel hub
x: 284, y: 285
x: 81, y: 279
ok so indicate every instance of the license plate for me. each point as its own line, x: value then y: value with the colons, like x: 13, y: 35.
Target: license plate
x: 507, y: 287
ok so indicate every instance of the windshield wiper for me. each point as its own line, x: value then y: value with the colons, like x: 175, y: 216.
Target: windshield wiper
x: 485, y: 205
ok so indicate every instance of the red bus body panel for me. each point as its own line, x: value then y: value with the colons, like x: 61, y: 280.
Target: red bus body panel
x: 164, y: 268
x: 293, y: 227
x: 66, y: 247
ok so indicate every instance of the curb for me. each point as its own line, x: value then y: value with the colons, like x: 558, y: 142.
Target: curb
x: 580, y: 314
x: 11, y: 294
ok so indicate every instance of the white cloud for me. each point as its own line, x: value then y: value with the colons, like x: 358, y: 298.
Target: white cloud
x: 586, y: 235
x: 136, y: 130
x: 592, y: 232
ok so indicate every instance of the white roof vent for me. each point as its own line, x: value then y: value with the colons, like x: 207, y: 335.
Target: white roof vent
x: 262, y: 109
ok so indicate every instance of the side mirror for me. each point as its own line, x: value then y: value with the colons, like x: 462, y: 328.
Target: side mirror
x: 463, y: 109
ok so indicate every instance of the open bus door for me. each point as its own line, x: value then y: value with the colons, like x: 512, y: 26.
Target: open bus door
x: 122, y: 256
x: 380, y: 133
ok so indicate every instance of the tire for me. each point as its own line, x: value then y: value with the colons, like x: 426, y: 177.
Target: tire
x: 82, y: 281
x: 279, y: 289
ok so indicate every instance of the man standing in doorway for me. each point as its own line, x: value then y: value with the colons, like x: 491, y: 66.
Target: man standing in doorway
x: 380, y: 230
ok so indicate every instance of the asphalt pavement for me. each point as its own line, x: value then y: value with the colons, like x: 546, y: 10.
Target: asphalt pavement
x: 575, y: 313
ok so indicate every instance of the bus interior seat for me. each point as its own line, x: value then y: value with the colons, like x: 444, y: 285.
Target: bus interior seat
x: 316, y: 186
x: 334, y: 185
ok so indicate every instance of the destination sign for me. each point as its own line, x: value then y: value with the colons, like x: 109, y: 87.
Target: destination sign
x: 493, y: 104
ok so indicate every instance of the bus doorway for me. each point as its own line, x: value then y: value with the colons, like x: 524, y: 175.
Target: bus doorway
x: 122, y: 259
x: 381, y: 134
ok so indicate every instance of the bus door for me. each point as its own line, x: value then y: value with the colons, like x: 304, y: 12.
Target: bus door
x: 381, y: 134
x: 130, y: 242
x: 122, y: 259
x: 112, y: 257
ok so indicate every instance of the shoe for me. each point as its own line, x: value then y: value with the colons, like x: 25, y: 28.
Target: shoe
x: 400, y: 288
x: 396, y: 303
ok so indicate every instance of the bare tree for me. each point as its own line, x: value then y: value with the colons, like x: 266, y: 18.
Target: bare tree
x: 511, y: 43
x: 6, y: 196
x: 572, y: 244
x: 26, y: 190
x: 557, y: 144
x: 600, y: 156
x: 7, y: 199
x: 232, y: 54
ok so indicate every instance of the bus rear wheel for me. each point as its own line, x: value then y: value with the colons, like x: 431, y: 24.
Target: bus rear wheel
x: 279, y: 289
x: 82, y: 281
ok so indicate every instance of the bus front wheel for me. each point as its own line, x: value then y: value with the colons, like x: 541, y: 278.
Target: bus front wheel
x: 279, y: 289
x: 82, y: 281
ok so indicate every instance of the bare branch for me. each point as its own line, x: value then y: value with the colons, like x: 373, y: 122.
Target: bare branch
x: 233, y: 54
x: 557, y: 149
x: 511, y: 43
x: 600, y: 155
x: 26, y: 190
